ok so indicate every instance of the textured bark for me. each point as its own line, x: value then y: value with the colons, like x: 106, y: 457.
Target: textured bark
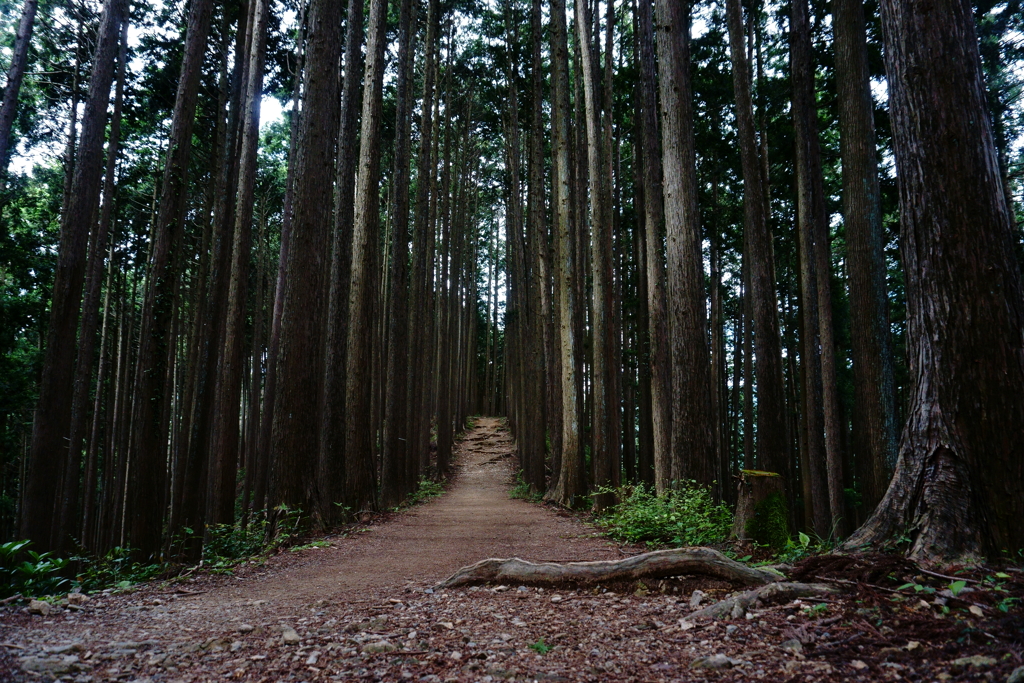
x: 660, y: 366
x: 15, y: 74
x: 759, y: 257
x: 300, y: 358
x: 658, y: 564
x: 874, y: 413
x: 956, y: 489
x: 569, y: 486
x: 220, y: 496
x: 693, y: 447
x: 359, y: 470
x: 772, y: 594
x: 52, y: 417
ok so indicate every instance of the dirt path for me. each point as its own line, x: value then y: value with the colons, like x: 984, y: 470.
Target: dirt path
x: 364, y: 610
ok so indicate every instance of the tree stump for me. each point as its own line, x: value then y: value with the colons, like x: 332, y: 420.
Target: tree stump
x: 761, y: 509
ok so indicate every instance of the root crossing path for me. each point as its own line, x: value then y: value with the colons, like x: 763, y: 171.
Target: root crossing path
x: 381, y: 563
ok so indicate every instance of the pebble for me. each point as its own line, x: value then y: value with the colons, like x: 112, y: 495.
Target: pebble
x: 77, y: 598
x: 696, y: 598
x: 718, y: 661
x: 40, y: 607
x: 289, y: 636
x: 50, y: 665
x: 246, y: 628
x: 793, y: 645
x: 975, y: 661
x: 1017, y: 676
x: 556, y: 598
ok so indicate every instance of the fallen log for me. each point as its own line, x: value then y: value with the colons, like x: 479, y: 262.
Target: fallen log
x: 659, y: 564
x: 774, y: 593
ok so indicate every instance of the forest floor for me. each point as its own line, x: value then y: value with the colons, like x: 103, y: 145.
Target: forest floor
x: 364, y: 609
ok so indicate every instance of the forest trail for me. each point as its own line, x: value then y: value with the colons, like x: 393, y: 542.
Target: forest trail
x: 379, y: 563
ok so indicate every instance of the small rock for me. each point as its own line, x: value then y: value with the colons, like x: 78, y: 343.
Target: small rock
x: 446, y: 624
x: 556, y: 598
x: 429, y: 591
x: 913, y: 645
x: 63, y: 649
x: 40, y: 607
x: 1017, y: 676
x: 718, y: 661
x: 738, y: 612
x: 456, y: 655
x: 77, y: 598
x: 696, y: 598
x: 378, y: 647
x: 500, y: 589
x: 858, y: 665
x: 236, y: 646
x: 685, y: 625
x: 50, y: 665
x: 976, y: 611
x: 246, y: 628
x: 793, y: 645
x: 289, y: 636
x: 313, y: 657
x: 975, y: 661
x: 522, y: 589
x: 730, y: 629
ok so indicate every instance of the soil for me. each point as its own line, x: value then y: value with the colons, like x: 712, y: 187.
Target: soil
x: 364, y: 609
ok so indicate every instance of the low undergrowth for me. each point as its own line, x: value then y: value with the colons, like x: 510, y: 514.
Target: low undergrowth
x: 682, y: 517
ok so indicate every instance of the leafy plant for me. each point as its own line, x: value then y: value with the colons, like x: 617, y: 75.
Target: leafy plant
x: 30, y: 573
x: 522, y: 490
x: 540, y: 647
x: 684, y: 516
x: 427, y: 489
x: 311, y: 545
x: 116, y: 569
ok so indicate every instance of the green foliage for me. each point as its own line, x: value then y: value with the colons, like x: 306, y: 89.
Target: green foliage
x: 116, y: 569
x: 770, y: 524
x: 522, y: 491
x: 310, y: 546
x: 30, y: 573
x: 427, y: 490
x: 684, y: 516
x: 234, y: 542
x: 540, y: 647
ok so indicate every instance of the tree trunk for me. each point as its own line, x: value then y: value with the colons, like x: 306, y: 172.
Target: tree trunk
x: 693, y: 447
x: 874, y: 412
x: 956, y: 489
x: 49, y: 430
x: 296, y: 434
x: 359, y: 463
x: 15, y: 74
x: 758, y: 254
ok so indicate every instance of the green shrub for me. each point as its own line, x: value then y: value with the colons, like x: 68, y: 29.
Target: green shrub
x: 522, y: 490
x: 115, y: 569
x: 427, y: 489
x: 770, y: 524
x: 682, y: 517
x: 30, y: 573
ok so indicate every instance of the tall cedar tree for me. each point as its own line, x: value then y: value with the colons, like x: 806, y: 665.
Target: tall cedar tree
x: 956, y: 489
x: 15, y: 74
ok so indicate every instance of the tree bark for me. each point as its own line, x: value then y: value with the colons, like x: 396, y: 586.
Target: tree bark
x: 693, y: 447
x: 956, y: 489
x: 296, y: 434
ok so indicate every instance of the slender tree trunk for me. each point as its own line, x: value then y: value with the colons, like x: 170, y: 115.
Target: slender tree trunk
x: 654, y: 218
x: 874, y: 413
x: 49, y: 430
x: 359, y: 463
x: 220, y: 496
x: 15, y: 74
x: 569, y: 486
x: 772, y: 448
x: 90, y: 319
x: 956, y: 489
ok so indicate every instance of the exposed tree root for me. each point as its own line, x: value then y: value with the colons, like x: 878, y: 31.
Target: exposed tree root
x: 659, y: 564
x: 737, y: 606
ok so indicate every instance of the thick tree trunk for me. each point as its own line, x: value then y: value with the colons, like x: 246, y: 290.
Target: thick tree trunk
x: 874, y: 412
x: 52, y: 417
x: 956, y: 489
x: 693, y: 447
x: 300, y: 359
